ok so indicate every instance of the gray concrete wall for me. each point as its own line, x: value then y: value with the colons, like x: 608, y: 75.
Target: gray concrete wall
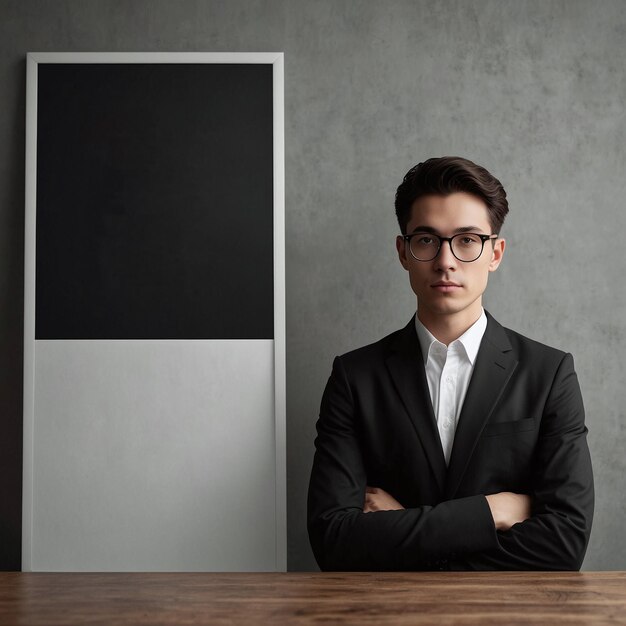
x: 534, y: 91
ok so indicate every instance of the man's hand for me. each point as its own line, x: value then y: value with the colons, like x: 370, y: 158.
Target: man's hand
x: 377, y: 499
x: 508, y: 508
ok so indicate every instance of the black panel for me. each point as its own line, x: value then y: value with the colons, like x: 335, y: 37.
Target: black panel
x: 154, y: 201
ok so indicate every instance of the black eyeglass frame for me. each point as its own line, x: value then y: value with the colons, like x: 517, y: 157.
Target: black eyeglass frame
x: 483, y: 238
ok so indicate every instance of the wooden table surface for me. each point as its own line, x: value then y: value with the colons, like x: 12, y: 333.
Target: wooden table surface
x: 312, y: 598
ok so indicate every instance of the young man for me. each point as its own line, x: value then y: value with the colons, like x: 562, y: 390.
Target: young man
x: 454, y: 443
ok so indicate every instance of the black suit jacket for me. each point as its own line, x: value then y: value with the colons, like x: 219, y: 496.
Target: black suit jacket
x: 521, y: 429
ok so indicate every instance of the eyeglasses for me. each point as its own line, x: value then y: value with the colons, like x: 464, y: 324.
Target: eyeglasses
x: 466, y: 247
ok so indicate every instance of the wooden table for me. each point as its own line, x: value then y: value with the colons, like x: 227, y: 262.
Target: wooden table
x: 313, y: 598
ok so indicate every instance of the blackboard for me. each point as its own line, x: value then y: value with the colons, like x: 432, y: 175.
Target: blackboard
x: 154, y: 201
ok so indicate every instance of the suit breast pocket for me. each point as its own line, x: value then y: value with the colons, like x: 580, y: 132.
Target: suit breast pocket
x: 505, y: 454
x: 507, y: 428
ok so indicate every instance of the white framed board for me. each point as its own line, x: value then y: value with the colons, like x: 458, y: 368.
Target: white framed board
x: 154, y: 313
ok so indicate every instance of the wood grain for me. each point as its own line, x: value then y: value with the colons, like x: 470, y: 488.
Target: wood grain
x: 312, y: 598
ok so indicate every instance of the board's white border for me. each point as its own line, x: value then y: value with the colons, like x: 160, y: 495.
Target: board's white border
x: 276, y: 59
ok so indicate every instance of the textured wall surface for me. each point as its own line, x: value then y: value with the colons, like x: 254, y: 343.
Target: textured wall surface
x: 533, y: 90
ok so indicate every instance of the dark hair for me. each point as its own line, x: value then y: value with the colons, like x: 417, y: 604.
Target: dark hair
x: 446, y: 175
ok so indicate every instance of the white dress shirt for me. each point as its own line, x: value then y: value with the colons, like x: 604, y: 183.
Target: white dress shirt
x: 448, y: 372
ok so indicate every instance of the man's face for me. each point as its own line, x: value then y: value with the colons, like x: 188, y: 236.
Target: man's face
x: 446, y: 286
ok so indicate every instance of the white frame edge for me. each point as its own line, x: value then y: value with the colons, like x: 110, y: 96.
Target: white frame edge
x: 280, y: 372
x: 276, y: 59
x: 29, y: 311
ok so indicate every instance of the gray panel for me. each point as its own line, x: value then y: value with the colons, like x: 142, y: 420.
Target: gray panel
x: 154, y: 455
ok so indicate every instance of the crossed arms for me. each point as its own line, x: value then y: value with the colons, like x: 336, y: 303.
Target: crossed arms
x: 507, y: 508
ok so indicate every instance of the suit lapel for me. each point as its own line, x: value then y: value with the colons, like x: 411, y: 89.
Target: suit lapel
x: 494, y: 366
x: 406, y: 366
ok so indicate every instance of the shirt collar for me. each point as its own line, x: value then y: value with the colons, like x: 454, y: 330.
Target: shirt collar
x: 470, y: 339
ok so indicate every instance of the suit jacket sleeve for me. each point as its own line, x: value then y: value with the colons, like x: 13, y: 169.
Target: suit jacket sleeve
x: 555, y: 537
x: 344, y: 538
